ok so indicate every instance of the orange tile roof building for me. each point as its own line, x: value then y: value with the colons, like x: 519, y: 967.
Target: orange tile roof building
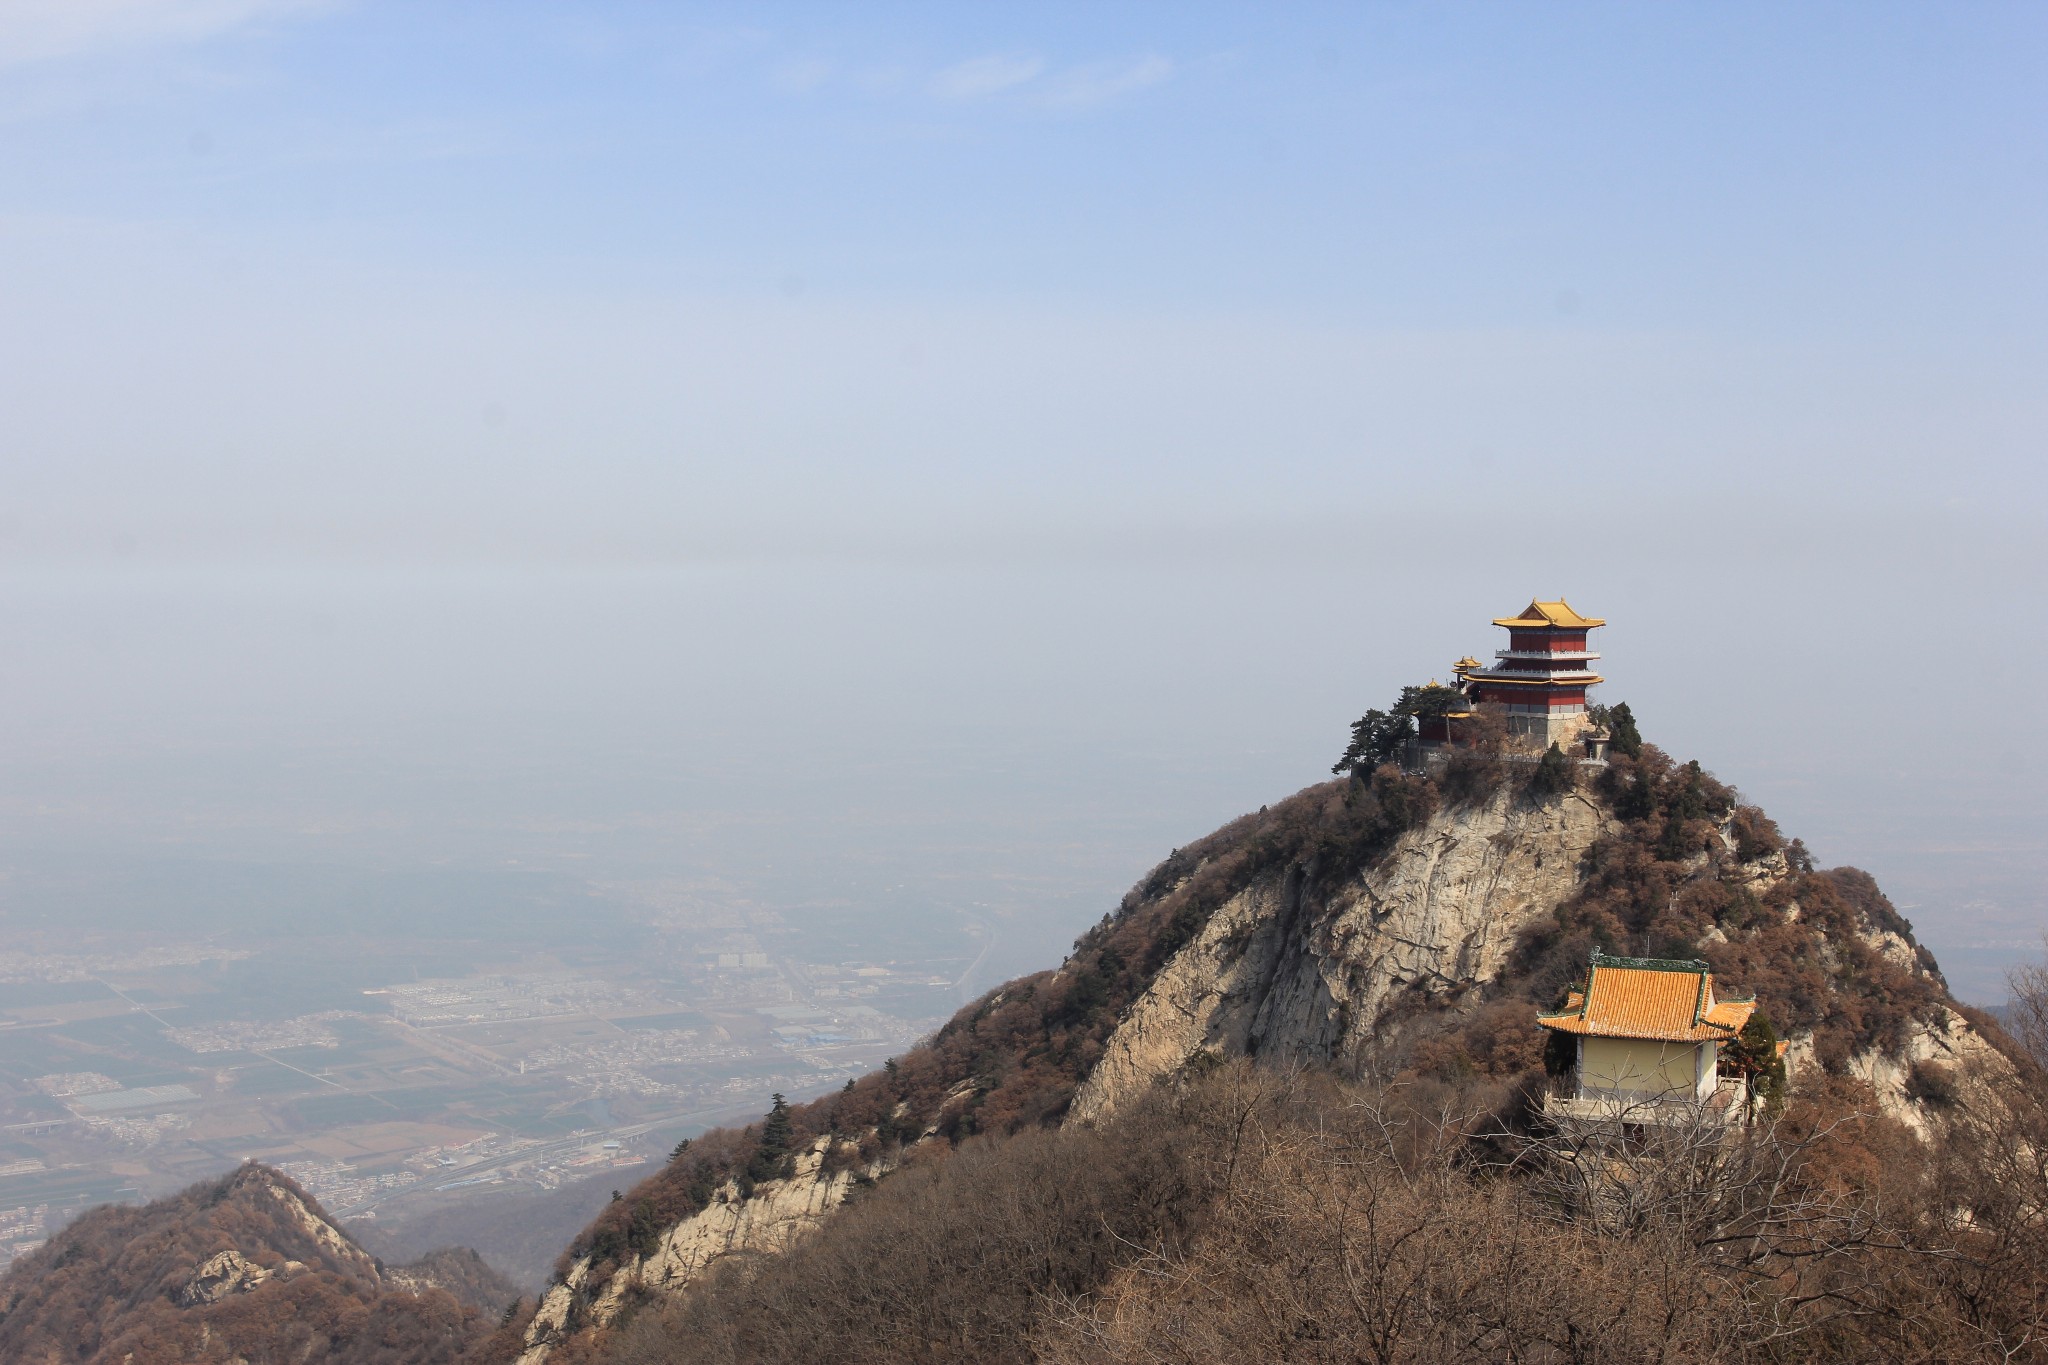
x: 1646, y: 1032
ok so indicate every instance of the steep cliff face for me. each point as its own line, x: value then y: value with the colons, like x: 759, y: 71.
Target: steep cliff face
x: 1477, y: 904
x: 768, y: 1218
x: 1298, y: 965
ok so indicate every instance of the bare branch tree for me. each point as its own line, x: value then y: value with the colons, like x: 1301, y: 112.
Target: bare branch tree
x: 2027, y: 1015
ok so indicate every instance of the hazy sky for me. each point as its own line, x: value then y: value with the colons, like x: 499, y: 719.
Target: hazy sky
x: 1007, y: 437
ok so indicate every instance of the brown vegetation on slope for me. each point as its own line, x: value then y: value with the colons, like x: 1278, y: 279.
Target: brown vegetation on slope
x: 1013, y: 1059
x: 1685, y: 870
x: 950, y: 1258
x: 122, y: 1286
x: 463, y: 1274
x: 1689, y: 871
x: 1250, y: 1214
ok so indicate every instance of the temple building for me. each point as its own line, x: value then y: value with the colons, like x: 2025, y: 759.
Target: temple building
x: 1647, y: 1035
x: 1542, y: 676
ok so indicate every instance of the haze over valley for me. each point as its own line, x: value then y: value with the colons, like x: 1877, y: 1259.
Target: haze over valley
x: 563, y: 575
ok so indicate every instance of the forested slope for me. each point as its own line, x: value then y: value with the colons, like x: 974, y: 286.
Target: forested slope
x: 241, y: 1269
x: 1394, y: 928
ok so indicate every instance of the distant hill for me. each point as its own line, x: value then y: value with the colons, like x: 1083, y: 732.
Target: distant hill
x: 520, y: 1232
x: 246, y: 1268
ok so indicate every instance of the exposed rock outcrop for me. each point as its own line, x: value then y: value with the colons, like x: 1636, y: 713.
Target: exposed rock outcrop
x: 1330, y: 971
x: 217, y: 1277
x: 770, y: 1218
x: 1311, y: 970
x: 1940, y: 1064
x: 244, y: 1268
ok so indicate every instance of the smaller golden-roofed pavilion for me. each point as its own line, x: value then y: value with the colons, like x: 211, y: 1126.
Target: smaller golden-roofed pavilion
x: 1647, y: 1031
x: 1558, y: 615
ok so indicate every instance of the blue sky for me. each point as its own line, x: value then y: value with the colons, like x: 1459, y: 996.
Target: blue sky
x: 1408, y: 165
x: 1129, y: 372
x: 1029, y: 267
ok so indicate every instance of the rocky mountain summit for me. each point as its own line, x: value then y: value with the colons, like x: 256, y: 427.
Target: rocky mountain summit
x: 241, y: 1269
x: 1324, y: 971
x: 1405, y: 925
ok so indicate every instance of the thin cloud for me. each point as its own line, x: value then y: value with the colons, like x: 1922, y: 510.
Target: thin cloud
x: 803, y: 76
x: 985, y: 76
x: 1085, y: 86
x: 47, y: 30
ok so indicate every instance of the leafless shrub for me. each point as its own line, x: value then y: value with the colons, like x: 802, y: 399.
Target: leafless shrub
x: 1741, y: 1207
x: 1358, y: 1229
x: 2027, y: 1016
x: 1255, y: 1214
x: 952, y: 1259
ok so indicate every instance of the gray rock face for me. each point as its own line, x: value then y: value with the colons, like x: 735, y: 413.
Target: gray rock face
x: 1316, y: 970
x: 217, y: 1277
x: 773, y: 1218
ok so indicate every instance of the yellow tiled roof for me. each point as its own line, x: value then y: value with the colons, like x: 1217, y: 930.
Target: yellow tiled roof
x: 1558, y: 613
x: 1730, y: 1014
x: 1645, y: 998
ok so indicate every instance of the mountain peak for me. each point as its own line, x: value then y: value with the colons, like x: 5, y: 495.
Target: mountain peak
x: 1402, y: 924
x: 244, y: 1267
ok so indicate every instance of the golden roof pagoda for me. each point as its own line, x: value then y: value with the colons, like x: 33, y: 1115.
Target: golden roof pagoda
x: 1650, y: 998
x: 1557, y: 615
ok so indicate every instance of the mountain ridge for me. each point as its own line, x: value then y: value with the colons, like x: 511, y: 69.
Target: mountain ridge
x: 1395, y: 926
x: 1395, y: 922
x: 244, y: 1267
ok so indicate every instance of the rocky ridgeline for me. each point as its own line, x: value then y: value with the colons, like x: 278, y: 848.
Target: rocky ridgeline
x: 1333, y: 973
x: 1303, y: 966
x: 769, y: 1218
x: 244, y: 1268
x: 1360, y: 925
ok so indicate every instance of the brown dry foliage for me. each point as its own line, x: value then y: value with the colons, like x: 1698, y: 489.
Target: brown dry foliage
x: 1024, y: 1048
x: 102, y: 1291
x: 952, y: 1258
x: 1248, y: 1214
x: 1668, y: 883
x: 1679, y: 876
x: 1356, y: 1227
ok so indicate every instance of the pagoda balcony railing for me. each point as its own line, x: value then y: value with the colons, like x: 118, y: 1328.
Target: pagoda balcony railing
x: 1569, y: 673
x: 1562, y: 654
x: 1726, y: 1102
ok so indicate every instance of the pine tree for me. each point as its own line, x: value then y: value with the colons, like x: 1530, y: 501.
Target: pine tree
x: 1377, y: 736
x: 1753, y: 1054
x: 1623, y: 737
x: 771, y: 1153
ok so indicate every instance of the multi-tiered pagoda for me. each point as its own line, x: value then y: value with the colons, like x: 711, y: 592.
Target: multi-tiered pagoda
x: 1543, y: 674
